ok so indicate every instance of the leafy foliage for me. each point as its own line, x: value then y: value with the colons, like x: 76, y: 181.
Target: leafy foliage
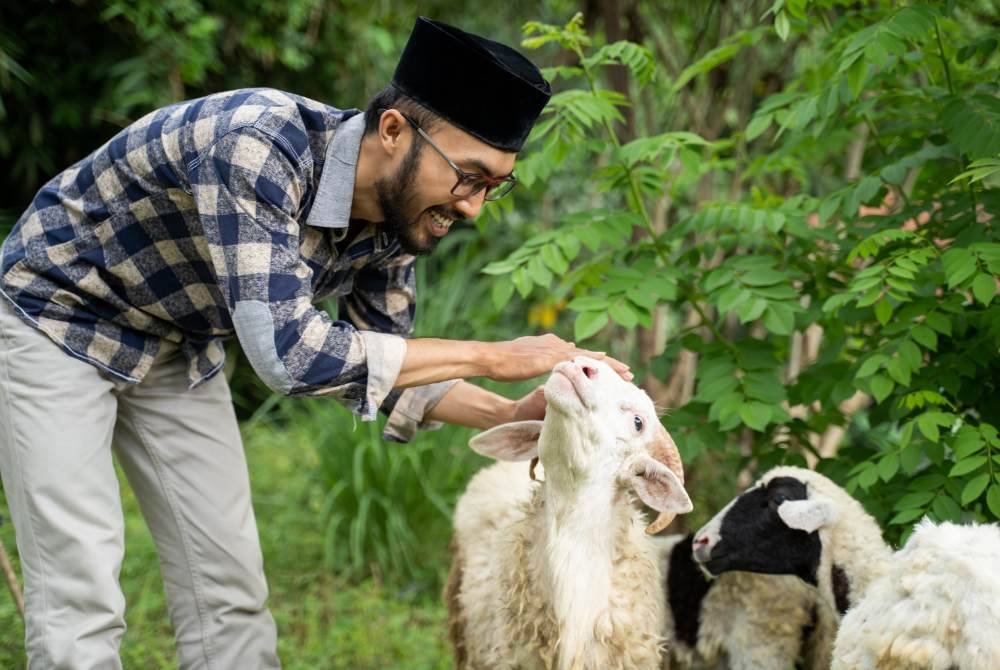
x: 895, y: 265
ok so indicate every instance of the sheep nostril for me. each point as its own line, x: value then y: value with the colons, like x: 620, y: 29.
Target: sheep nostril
x: 589, y: 371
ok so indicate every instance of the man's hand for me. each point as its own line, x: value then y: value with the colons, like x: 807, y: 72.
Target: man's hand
x: 530, y: 407
x: 535, y: 355
x: 429, y: 360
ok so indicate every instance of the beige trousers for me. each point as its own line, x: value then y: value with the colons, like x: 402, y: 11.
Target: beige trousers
x: 60, y: 419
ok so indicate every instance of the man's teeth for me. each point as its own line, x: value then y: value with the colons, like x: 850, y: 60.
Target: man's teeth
x: 442, y: 221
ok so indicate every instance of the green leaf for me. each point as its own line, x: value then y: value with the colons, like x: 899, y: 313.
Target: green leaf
x: 928, y: 427
x: 553, y: 258
x: 925, y: 336
x: 589, y: 303
x: 979, y: 170
x: 910, y: 456
x: 888, y: 467
x: 752, y: 310
x: 758, y: 124
x: 967, y: 465
x: 570, y: 245
x: 946, y: 509
x: 906, y: 516
x: 989, y: 434
x: 972, y: 123
x: 538, y: 272
x: 836, y: 301
x: 967, y: 442
x: 756, y: 415
x: 906, y: 433
x: 939, y: 322
x: 871, y: 364
x: 883, y: 311
x: 867, y: 188
x: 763, y: 277
x: 909, y: 354
x: 975, y: 488
x: 899, y: 371
x: 959, y: 264
x: 917, y: 499
x: 857, y: 75
x: 993, y: 500
x: 623, y: 314
x: 522, y: 282
x: 984, y: 287
x: 714, y: 58
x: 868, y: 476
x: 828, y: 207
x: 881, y: 387
x: 501, y: 293
x: 588, y: 323
x: 781, y: 26
x: 929, y: 482
x: 779, y: 319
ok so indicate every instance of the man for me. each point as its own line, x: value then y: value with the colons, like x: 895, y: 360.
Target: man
x: 232, y: 215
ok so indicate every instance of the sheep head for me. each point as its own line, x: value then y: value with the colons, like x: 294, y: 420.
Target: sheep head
x: 771, y: 527
x: 597, y: 425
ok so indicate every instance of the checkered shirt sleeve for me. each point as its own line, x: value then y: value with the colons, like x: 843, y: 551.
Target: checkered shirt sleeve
x: 247, y: 188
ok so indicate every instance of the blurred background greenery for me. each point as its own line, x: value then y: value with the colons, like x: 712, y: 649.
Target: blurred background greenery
x: 780, y: 212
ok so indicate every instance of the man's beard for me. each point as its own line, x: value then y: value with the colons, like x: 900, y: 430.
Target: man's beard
x: 394, y: 195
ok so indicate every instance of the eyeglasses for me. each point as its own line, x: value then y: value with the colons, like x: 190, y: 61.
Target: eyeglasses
x: 468, y: 184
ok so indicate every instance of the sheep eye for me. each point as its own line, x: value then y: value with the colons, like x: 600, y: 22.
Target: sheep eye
x: 779, y: 498
x: 637, y: 420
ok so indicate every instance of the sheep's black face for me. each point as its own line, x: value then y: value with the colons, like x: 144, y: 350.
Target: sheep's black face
x: 750, y: 535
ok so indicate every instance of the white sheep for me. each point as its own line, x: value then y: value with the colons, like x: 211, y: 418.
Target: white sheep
x: 560, y: 573
x: 740, y: 620
x: 937, y: 607
x: 795, y: 521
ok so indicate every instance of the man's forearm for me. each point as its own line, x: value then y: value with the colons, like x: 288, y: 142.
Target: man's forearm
x: 430, y: 360
x: 469, y: 405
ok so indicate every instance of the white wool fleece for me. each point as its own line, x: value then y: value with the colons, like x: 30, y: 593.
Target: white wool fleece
x: 937, y: 607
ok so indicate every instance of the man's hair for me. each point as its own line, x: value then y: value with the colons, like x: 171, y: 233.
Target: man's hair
x: 391, y: 97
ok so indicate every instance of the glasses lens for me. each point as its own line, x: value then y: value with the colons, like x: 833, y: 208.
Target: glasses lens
x: 468, y: 187
x: 500, y: 190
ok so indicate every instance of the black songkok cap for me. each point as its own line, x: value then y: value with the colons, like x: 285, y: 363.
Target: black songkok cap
x: 485, y: 88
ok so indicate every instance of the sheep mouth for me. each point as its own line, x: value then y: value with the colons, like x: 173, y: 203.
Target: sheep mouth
x: 575, y: 384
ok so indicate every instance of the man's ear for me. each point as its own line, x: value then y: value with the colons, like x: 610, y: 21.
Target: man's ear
x: 809, y: 515
x: 390, y: 128
x: 517, y: 441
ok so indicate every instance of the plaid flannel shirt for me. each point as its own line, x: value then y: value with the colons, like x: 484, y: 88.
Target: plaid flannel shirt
x: 219, y: 216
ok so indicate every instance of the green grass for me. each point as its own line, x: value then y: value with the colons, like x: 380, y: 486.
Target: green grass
x: 324, y: 621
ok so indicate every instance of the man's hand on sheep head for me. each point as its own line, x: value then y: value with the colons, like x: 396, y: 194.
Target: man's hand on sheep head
x: 530, y: 407
x: 534, y: 355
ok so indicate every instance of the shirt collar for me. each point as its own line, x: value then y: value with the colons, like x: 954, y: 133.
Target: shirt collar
x: 331, y: 207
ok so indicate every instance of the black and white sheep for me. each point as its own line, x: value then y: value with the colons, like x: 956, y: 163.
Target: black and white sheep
x: 798, y: 522
x: 558, y: 573
x: 740, y: 620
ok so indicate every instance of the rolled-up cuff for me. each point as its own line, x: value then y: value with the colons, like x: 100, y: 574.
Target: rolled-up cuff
x: 407, y: 417
x: 384, y: 354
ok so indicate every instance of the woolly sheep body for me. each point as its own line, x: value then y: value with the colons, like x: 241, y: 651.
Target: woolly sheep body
x: 499, y: 595
x: 937, y: 607
x: 749, y: 622
x: 556, y: 575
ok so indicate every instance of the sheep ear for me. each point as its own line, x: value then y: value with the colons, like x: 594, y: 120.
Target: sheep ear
x: 809, y: 515
x: 517, y: 441
x: 658, y: 486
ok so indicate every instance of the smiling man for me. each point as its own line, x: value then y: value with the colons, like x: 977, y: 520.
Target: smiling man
x: 232, y: 215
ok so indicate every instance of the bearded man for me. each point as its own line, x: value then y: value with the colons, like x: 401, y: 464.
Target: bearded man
x: 232, y: 215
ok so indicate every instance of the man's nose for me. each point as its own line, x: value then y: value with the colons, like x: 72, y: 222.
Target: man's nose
x: 469, y: 206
